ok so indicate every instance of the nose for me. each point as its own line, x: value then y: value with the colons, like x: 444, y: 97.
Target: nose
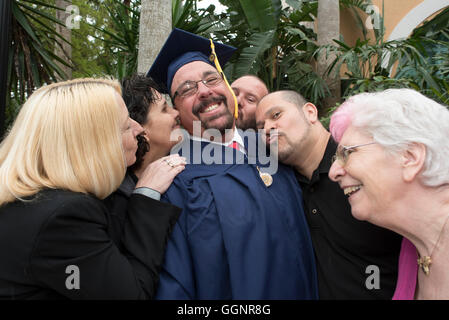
x: 137, y: 128
x: 269, y: 125
x: 336, y: 171
x: 174, y: 112
x: 239, y: 100
x: 203, y: 90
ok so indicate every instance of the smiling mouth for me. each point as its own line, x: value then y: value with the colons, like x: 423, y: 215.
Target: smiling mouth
x: 351, y: 190
x: 208, y: 105
x: 209, y: 108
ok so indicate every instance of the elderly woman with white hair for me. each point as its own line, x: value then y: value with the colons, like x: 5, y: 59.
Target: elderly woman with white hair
x: 392, y: 163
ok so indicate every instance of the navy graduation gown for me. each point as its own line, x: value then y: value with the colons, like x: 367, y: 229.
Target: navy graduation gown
x: 237, y: 238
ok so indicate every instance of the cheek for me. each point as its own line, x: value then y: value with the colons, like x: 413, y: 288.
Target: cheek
x: 185, y: 113
x: 250, y: 108
x: 163, y: 125
x: 129, y: 142
x: 160, y: 129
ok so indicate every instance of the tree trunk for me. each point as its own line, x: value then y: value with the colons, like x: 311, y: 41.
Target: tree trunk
x: 62, y: 48
x: 155, y: 26
x: 329, y: 29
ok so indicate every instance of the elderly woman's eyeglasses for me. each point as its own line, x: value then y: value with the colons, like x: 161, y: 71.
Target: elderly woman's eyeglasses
x: 342, y: 154
x: 190, y: 87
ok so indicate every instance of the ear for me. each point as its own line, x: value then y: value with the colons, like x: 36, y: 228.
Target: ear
x: 146, y: 134
x: 310, y: 112
x: 412, y: 161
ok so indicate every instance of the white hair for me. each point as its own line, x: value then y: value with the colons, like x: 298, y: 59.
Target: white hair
x: 397, y: 118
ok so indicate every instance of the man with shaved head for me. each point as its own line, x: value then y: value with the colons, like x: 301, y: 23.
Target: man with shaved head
x: 249, y: 90
x: 355, y: 260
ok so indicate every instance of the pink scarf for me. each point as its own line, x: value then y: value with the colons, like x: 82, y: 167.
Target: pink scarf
x: 407, y: 272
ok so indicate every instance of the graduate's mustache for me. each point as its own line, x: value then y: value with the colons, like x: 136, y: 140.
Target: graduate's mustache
x: 203, y: 104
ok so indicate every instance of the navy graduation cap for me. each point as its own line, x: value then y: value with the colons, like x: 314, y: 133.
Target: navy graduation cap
x: 182, y: 47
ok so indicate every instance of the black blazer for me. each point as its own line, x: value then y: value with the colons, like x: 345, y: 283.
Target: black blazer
x: 42, y: 239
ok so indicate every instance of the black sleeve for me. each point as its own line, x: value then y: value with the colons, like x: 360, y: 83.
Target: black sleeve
x: 74, y: 248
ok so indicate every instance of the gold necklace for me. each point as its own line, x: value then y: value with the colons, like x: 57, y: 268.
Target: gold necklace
x: 425, y: 261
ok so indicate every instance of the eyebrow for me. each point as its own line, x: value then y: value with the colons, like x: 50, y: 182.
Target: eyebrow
x: 205, y: 73
x: 261, y: 123
x: 271, y: 110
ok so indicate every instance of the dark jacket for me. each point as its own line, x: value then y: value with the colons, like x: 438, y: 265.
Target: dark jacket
x: 60, y: 239
x: 117, y: 204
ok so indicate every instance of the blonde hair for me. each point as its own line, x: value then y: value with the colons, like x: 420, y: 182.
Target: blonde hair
x: 66, y: 136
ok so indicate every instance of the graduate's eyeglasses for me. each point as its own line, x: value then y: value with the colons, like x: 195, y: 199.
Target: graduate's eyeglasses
x: 190, y: 87
x: 343, y: 152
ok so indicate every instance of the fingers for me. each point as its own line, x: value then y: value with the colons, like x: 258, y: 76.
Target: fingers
x: 160, y: 174
x: 174, y: 161
x: 173, y: 172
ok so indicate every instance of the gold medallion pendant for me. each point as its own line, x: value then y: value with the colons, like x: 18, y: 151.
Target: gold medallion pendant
x: 266, y: 177
x: 424, y: 263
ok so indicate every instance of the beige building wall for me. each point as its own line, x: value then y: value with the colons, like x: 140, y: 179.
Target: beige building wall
x: 395, y: 11
x: 401, y: 17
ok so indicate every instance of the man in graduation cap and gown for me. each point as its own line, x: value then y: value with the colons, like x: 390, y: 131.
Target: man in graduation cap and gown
x: 242, y: 233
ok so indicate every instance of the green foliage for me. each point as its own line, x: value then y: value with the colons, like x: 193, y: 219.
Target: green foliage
x: 272, y: 43
x: 89, y: 54
x: 411, y: 63
x: 32, y: 61
x: 119, y: 34
x: 186, y: 16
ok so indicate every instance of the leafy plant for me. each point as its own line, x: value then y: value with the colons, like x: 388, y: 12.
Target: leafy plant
x: 31, y: 59
x: 273, y: 43
x: 379, y: 65
x: 120, y: 37
x: 120, y: 31
x: 187, y: 16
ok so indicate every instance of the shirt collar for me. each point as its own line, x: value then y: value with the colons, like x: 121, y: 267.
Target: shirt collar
x: 325, y: 164
x: 237, y: 138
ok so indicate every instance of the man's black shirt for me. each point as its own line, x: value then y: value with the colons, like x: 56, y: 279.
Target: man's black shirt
x: 348, y: 251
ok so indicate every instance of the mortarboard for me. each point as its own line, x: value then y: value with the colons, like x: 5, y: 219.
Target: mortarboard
x: 180, y: 48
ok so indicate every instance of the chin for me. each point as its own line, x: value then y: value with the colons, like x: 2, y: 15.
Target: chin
x: 220, y: 124
x: 130, y: 162
x: 359, y: 214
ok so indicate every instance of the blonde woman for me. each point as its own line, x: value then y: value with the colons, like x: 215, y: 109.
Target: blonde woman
x: 69, y: 149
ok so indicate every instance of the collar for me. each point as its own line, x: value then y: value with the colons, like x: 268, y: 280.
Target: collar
x: 237, y: 138
x: 325, y: 164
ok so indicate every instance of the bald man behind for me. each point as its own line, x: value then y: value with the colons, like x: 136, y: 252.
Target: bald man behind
x: 249, y: 90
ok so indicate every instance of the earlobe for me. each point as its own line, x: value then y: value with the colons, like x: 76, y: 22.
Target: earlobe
x: 412, y: 161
